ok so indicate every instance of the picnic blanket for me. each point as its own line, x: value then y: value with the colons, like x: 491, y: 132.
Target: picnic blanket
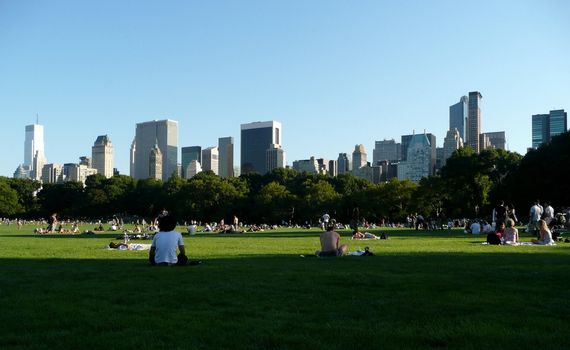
x: 132, y: 246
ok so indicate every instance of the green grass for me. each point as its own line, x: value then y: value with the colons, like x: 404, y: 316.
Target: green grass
x: 254, y: 291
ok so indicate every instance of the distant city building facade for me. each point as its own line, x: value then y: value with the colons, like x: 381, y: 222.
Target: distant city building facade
x: 418, y: 163
x: 155, y: 163
x: 192, y: 169
x: 77, y: 172
x: 52, y: 173
x: 496, y: 140
x: 474, y: 121
x: 210, y: 159
x: 333, y: 168
x: 458, y: 116
x: 102, y: 156
x: 406, y: 139
x: 274, y: 158
x: 310, y: 165
x: 226, y: 156
x: 34, y: 155
x: 343, y: 164
x: 256, y: 140
x: 164, y: 134
x: 188, y: 154
x: 359, y: 157
x: 546, y: 126
x: 386, y: 150
x: 451, y: 143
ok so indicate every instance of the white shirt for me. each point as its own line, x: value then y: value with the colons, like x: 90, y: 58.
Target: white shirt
x: 549, y: 212
x: 166, y: 244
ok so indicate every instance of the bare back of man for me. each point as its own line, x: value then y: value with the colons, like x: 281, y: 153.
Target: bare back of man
x: 330, y: 244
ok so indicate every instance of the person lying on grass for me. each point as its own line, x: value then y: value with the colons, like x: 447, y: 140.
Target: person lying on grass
x: 164, y: 243
x: 330, y: 243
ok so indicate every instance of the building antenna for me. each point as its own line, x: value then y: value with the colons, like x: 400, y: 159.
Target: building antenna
x: 37, y: 119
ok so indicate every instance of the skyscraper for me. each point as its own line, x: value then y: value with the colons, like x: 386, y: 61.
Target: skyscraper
x: 164, y: 134
x: 274, y: 157
x: 188, y: 155
x: 406, y: 139
x: 359, y: 158
x: 34, y: 142
x: 226, y: 156
x: 458, y: 114
x: 210, y: 157
x: 418, y: 162
x: 256, y: 139
x: 546, y: 126
x: 474, y: 121
x: 155, y: 162
x: 102, y: 156
x: 497, y: 139
x: 451, y: 143
x: 386, y: 150
x: 343, y: 164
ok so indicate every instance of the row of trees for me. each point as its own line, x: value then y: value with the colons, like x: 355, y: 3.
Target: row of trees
x: 467, y: 186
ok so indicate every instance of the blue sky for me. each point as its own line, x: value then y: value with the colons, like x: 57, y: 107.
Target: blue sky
x: 335, y: 73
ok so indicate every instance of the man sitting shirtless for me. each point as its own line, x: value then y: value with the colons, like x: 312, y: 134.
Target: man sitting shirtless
x: 330, y: 243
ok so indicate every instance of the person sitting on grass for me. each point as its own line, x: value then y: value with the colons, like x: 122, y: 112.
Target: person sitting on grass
x: 545, y: 234
x: 164, y: 243
x: 330, y: 243
x: 495, y: 237
x: 511, y: 234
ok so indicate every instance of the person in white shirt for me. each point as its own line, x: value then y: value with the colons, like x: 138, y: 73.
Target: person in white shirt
x: 165, y: 242
x: 548, y: 213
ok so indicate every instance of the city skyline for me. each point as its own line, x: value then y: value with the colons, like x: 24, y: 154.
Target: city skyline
x: 334, y: 74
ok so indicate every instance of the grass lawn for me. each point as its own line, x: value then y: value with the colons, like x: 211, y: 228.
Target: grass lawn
x: 254, y: 291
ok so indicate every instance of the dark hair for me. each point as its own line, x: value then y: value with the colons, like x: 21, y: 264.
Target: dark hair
x: 330, y: 226
x: 166, y: 222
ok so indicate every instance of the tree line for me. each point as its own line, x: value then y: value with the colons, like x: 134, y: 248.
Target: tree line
x: 469, y: 185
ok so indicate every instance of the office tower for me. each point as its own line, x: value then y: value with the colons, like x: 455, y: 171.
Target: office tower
x: 52, y: 173
x: 210, y: 158
x: 386, y: 150
x: 77, y: 172
x: 389, y: 170
x: 192, y: 169
x: 458, y: 115
x: 343, y: 164
x: 451, y: 143
x: 33, y: 143
x: 495, y: 140
x: 132, y: 157
x: 418, y: 162
x: 358, y: 157
x: 323, y: 166
x: 546, y: 126
x: 474, y: 121
x: 406, y: 139
x: 558, y: 122
x: 38, y: 165
x: 188, y: 155
x: 102, y: 156
x: 439, y: 159
x: 274, y: 157
x: 333, y: 168
x: 84, y: 160
x: 155, y: 162
x: 256, y: 139
x: 310, y: 165
x: 226, y: 156
x: 164, y: 134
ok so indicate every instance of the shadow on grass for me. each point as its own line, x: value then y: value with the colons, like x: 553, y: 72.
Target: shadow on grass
x: 418, y: 300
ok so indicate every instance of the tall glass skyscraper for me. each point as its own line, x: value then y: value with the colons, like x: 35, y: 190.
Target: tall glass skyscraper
x: 33, y: 144
x: 546, y: 126
x: 458, y: 114
x: 474, y: 121
x: 256, y: 139
x: 163, y: 133
x: 226, y: 156
x: 188, y: 155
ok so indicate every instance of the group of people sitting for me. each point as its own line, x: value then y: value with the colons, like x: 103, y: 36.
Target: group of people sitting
x: 507, y: 233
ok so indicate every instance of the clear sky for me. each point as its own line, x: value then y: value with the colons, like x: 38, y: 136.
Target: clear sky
x: 335, y: 73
